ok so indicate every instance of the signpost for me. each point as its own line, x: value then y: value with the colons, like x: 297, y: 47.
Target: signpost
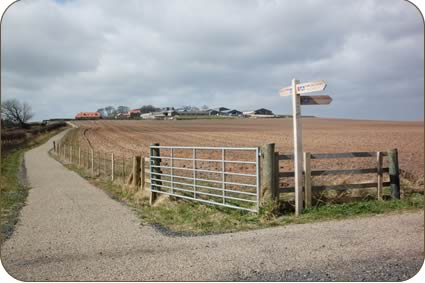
x: 315, y: 100
x: 295, y: 90
x: 304, y: 88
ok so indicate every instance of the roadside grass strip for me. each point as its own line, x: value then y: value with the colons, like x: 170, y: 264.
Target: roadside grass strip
x: 180, y: 217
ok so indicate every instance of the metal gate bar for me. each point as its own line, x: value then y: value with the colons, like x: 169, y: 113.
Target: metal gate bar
x: 196, y: 188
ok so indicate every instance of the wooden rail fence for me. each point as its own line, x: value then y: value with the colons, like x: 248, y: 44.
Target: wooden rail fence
x: 308, y: 186
x: 135, y: 171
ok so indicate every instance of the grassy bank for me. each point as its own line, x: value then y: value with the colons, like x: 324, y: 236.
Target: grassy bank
x: 13, y: 192
x: 190, y: 217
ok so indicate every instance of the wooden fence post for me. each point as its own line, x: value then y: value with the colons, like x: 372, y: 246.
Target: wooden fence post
x: 142, y: 174
x: 98, y: 163
x: 112, y: 167
x: 92, y: 161
x: 394, y: 173
x: 136, y: 171
x: 267, y: 176
x: 70, y: 153
x: 155, y: 152
x: 54, y: 146
x: 379, y: 174
x: 123, y: 168
x: 307, y: 179
x: 276, y: 184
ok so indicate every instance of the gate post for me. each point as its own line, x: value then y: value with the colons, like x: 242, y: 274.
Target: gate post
x: 394, y: 173
x: 267, y: 177
x: 154, y: 152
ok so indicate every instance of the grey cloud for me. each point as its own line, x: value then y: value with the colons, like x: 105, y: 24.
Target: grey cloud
x: 87, y: 54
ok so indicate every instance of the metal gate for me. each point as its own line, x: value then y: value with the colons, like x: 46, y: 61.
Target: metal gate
x: 225, y: 176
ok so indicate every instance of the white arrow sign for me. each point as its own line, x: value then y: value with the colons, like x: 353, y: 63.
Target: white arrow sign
x: 304, y: 88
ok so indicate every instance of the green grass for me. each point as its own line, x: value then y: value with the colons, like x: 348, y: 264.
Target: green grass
x: 193, y: 217
x: 13, y: 192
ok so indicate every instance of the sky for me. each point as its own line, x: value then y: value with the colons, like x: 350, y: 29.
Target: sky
x: 68, y: 56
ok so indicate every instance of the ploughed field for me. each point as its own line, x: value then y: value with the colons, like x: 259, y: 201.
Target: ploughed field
x: 132, y: 137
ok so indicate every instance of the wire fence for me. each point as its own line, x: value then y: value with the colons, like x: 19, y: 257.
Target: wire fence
x: 97, y: 163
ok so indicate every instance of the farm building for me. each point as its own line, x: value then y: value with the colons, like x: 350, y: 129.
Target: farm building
x: 262, y: 112
x: 221, y: 109
x: 169, y: 111
x: 134, y: 113
x: 87, y: 116
x: 153, y: 116
x: 122, y: 116
x: 233, y: 112
x: 208, y: 112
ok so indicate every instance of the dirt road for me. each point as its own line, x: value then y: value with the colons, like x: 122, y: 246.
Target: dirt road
x: 70, y: 230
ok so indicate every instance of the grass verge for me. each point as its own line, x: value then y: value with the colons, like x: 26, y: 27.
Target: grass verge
x: 187, y: 218
x: 13, y: 191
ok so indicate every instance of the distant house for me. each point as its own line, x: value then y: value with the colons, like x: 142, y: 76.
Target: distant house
x: 135, y: 113
x: 169, y: 111
x: 192, y: 113
x: 262, y: 112
x: 153, y: 116
x: 232, y: 112
x: 87, y: 116
x: 124, y: 115
x: 212, y: 112
x: 221, y: 109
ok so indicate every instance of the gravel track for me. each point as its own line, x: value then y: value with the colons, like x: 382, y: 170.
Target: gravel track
x: 70, y: 230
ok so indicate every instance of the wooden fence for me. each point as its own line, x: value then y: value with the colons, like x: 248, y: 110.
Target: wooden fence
x: 135, y: 171
x: 378, y: 170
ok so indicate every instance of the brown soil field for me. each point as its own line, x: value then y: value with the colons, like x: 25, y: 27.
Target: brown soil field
x: 319, y: 136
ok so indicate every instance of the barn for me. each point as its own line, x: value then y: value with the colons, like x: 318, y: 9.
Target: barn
x: 87, y: 116
x: 259, y: 112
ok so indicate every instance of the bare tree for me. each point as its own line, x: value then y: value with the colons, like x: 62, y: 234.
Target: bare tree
x: 16, y: 112
x: 148, y: 108
x: 110, y: 111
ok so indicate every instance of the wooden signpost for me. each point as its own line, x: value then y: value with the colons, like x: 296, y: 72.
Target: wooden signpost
x: 295, y: 90
x: 315, y: 100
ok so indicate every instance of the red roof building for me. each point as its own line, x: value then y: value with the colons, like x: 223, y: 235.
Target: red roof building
x: 135, y: 113
x: 87, y: 115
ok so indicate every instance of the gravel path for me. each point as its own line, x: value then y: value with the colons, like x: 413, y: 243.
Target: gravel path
x: 70, y: 230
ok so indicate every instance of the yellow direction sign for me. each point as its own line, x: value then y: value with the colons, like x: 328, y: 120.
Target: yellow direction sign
x: 304, y: 88
x: 315, y: 99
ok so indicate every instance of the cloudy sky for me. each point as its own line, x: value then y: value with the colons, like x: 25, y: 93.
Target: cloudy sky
x: 67, y: 56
